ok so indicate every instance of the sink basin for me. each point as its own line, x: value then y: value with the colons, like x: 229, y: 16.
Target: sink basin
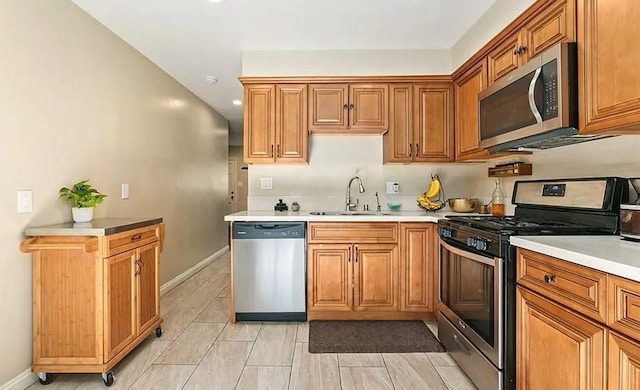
x: 349, y: 213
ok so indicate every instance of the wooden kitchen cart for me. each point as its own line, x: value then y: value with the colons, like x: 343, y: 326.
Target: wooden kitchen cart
x: 95, y: 293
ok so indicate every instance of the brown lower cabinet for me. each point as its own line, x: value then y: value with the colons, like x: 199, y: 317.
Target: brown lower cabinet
x: 564, y: 346
x: 364, y: 271
x: 94, y: 299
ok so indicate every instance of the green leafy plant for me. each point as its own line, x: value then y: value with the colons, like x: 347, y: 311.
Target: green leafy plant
x: 82, y: 194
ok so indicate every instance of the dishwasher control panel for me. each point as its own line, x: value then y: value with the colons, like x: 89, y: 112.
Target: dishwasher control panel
x: 268, y: 230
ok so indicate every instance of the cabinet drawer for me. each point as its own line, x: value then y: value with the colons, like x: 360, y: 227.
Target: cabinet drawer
x: 361, y: 232
x: 580, y: 288
x: 624, y: 306
x: 122, y: 242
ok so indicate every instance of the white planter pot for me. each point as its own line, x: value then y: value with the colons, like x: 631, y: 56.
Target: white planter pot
x: 82, y: 214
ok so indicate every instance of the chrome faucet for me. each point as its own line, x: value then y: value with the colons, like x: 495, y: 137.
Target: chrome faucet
x: 353, y: 206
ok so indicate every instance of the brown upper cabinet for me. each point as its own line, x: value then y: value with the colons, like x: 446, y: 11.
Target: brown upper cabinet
x: 348, y: 108
x: 467, y: 87
x: 609, y: 81
x: 554, y: 24
x: 420, y: 123
x: 275, y: 123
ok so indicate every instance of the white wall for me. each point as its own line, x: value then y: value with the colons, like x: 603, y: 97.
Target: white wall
x: 76, y: 103
x: 322, y: 184
x: 345, y: 62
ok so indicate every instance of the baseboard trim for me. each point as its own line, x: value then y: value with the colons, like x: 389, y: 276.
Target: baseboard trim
x: 165, y: 288
x: 21, y: 382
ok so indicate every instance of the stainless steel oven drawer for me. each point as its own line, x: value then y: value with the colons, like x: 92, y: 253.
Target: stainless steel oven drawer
x: 480, y: 370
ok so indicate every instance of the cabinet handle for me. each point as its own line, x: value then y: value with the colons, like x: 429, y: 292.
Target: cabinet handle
x: 356, y: 248
x: 410, y: 149
x: 515, y: 52
x: 349, y: 257
x: 550, y: 278
x: 136, y: 237
x: 138, y: 269
x: 351, y: 106
x: 271, y: 150
x: 345, y: 106
x: 417, y: 148
x: 278, y: 150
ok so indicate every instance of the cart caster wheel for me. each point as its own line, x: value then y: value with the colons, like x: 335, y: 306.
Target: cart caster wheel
x: 44, y: 378
x: 107, y: 377
x: 158, y: 331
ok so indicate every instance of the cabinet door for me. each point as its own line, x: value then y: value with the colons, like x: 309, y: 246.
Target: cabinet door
x: 330, y: 273
x: 398, y: 141
x: 433, y: 122
x: 556, y: 348
x: 624, y: 363
x: 609, y: 81
x: 555, y: 24
x: 328, y: 108
x: 375, y: 277
x: 291, y: 123
x: 120, y: 303
x: 467, y: 88
x: 504, y: 58
x: 368, y: 107
x: 148, y: 289
x: 417, y: 266
x: 259, y: 123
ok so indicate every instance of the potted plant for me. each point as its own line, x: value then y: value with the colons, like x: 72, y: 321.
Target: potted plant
x: 84, y: 198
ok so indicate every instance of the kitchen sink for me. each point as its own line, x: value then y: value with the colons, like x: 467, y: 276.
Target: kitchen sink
x: 349, y: 213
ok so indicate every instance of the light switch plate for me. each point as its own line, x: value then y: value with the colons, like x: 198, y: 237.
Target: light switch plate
x: 393, y: 187
x: 266, y: 183
x: 125, y: 191
x: 25, y: 201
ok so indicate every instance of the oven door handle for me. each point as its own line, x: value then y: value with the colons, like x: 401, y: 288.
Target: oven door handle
x: 469, y: 255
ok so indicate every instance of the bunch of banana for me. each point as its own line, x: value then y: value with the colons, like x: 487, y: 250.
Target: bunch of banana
x: 429, y: 200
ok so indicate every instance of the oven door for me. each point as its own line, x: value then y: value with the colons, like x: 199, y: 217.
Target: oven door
x: 471, y: 297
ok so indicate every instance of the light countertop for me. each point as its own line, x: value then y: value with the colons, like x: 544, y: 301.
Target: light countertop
x: 609, y: 254
x: 371, y: 216
x: 96, y: 227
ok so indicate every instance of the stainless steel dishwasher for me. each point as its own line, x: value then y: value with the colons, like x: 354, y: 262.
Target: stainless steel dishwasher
x: 269, y: 271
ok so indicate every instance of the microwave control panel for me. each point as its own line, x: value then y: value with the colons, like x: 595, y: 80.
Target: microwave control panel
x: 549, y: 77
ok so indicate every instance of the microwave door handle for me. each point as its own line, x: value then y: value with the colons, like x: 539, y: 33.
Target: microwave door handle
x: 532, y: 96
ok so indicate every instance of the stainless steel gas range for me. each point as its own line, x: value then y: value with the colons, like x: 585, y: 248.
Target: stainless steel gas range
x: 477, y: 291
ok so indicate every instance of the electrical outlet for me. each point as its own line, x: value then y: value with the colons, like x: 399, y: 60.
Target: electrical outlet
x: 393, y: 187
x: 266, y: 183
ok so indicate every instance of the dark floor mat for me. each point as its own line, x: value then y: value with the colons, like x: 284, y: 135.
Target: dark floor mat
x: 371, y: 337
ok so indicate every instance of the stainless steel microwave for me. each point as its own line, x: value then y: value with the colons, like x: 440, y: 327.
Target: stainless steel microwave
x: 535, y: 106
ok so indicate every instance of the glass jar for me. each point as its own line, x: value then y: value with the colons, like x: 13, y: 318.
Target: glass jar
x: 497, y: 200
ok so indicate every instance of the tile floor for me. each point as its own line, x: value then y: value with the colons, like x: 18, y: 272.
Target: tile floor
x: 200, y: 349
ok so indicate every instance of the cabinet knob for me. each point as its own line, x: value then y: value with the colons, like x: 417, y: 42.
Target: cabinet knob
x: 345, y: 106
x: 351, y: 106
x: 550, y: 278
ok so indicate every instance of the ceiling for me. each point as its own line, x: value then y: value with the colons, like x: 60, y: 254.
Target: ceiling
x: 194, y: 39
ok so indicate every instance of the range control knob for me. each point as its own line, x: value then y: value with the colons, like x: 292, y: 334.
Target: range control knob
x: 447, y: 232
x: 482, y: 244
x: 471, y: 241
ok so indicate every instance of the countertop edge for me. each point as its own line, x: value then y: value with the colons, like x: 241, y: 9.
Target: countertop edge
x: 615, y: 266
x: 70, y: 229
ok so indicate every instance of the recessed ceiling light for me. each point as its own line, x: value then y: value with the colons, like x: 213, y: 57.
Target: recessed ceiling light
x: 215, y: 1
x: 237, y: 102
x: 211, y: 79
